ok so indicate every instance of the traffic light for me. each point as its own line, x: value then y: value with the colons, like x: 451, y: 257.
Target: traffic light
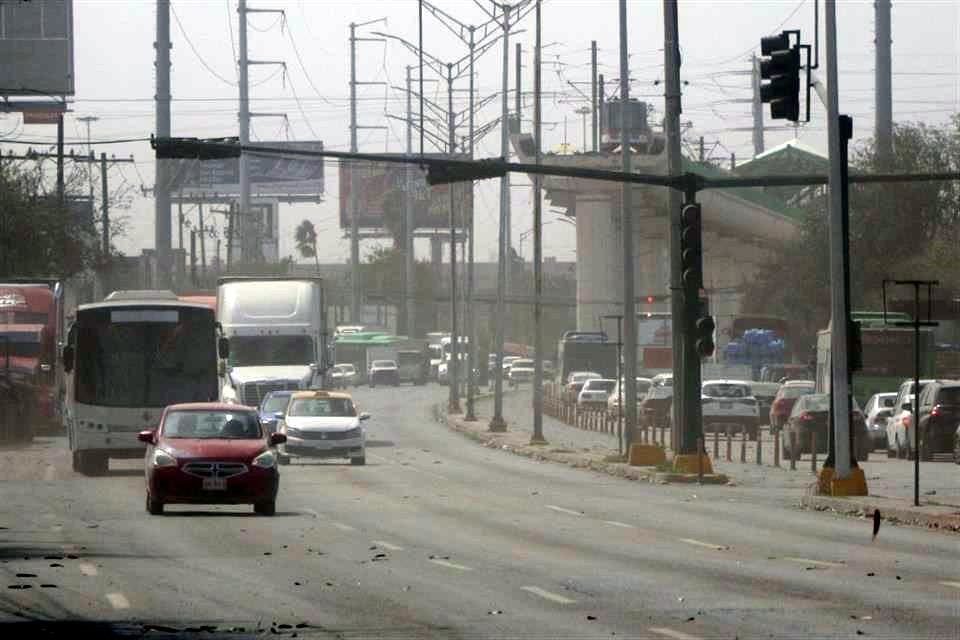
x: 439, y: 172
x: 691, y: 247
x: 854, y: 347
x: 780, y: 76
x: 704, y: 336
x: 196, y: 148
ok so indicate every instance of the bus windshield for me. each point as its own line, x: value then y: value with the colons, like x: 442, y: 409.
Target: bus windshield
x: 145, y: 357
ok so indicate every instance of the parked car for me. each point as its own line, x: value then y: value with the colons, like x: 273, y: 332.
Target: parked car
x: 811, y: 413
x: 780, y: 373
x: 765, y: 393
x: 323, y: 424
x: 878, y: 410
x: 783, y: 402
x: 272, y: 408
x: 383, y: 372
x: 656, y: 404
x: 576, y: 380
x: 211, y: 453
x: 521, y: 370
x: 594, y: 393
x: 613, y: 402
x: 729, y: 404
x: 938, y: 418
x: 899, y: 425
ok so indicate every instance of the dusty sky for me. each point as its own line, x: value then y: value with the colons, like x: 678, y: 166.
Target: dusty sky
x: 114, y: 71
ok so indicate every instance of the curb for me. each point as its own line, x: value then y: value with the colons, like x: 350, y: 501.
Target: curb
x: 944, y: 518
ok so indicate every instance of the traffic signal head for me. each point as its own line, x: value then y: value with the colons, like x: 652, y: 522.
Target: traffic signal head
x: 704, y: 336
x: 691, y: 247
x: 780, y: 76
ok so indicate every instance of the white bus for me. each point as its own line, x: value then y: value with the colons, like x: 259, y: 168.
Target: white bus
x: 127, y: 358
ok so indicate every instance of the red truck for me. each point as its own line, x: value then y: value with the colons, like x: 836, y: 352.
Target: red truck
x: 31, y: 323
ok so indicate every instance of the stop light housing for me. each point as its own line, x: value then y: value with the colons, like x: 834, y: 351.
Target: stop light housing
x: 196, y: 148
x: 691, y: 247
x: 703, y: 333
x: 780, y: 76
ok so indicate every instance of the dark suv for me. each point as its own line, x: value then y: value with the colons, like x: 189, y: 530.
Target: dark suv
x: 939, y: 416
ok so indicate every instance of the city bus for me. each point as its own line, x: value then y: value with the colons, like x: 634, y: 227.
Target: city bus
x: 127, y: 358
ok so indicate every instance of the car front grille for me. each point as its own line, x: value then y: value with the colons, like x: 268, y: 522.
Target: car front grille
x: 252, y: 393
x: 325, y: 435
x: 215, y: 469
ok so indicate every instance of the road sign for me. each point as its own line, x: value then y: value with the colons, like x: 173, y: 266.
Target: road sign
x: 41, y: 117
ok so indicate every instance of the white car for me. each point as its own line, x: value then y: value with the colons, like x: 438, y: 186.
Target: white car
x: 729, y: 404
x: 900, y: 425
x: 595, y: 392
x: 323, y: 424
x: 342, y: 375
x: 878, y: 410
x: 613, y: 402
x: 521, y: 370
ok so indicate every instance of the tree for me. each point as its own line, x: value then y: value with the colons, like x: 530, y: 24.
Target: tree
x: 306, y: 238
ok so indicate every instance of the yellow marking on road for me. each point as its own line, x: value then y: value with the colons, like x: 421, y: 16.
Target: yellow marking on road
x: 707, y: 545
x: 87, y: 569
x: 564, y: 510
x: 818, y: 563
x: 342, y: 526
x: 673, y: 633
x: 387, y: 545
x: 546, y: 595
x: 450, y: 565
x: 955, y: 585
x: 118, y: 601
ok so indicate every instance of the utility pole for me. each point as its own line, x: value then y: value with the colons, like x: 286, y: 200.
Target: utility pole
x: 88, y: 120
x: 756, y: 107
x: 678, y: 308
x: 471, y: 326
x: 518, y: 98
x: 161, y: 182
x: 537, y: 437
x: 203, y: 242
x: 454, y: 402
x: 105, y: 210
x: 593, y: 95
x: 600, y: 121
x: 626, y: 231
x: 702, y: 154
x: 883, y: 85
x: 409, y: 259
x: 231, y: 211
x: 180, y: 220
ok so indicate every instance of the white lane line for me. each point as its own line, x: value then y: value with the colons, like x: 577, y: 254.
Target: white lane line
x: 118, y: 601
x: 708, y: 545
x: 408, y: 467
x: 955, y: 585
x: 546, y: 595
x: 87, y: 569
x: 342, y: 526
x: 563, y: 510
x: 818, y: 563
x: 450, y: 565
x: 614, y: 523
x: 387, y: 545
x: 672, y: 633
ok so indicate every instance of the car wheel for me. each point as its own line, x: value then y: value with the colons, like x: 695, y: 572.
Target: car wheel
x: 265, y: 508
x: 154, y: 507
x: 359, y: 462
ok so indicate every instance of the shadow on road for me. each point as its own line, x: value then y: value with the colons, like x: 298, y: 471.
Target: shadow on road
x: 196, y: 513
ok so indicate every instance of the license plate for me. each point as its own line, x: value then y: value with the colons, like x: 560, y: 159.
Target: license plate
x: 214, y: 484
x: 726, y: 405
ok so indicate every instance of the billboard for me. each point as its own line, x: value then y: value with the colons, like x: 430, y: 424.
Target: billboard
x: 380, y: 196
x: 270, y: 175
x: 36, y: 47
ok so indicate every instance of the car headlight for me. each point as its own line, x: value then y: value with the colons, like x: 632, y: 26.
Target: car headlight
x: 266, y: 460
x: 161, y: 458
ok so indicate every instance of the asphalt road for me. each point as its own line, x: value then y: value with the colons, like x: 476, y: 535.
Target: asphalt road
x: 439, y: 537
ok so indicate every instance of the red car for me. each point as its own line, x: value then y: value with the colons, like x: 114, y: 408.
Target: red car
x: 786, y: 397
x: 211, y: 453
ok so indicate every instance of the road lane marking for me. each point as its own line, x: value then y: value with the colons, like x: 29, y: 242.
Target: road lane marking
x: 87, y: 569
x: 708, y: 545
x: 955, y: 585
x: 818, y: 563
x: 546, y: 595
x: 342, y: 526
x: 671, y: 633
x: 563, y: 510
x: 450, y: 565
x: 118, y: 601
x: 387, y: 545
x: 614, y: 523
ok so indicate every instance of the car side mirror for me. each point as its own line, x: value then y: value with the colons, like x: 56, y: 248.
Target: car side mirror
x: 223, y: 348
x: 277, y: 438
x: 68, y: 355
x: 364, y: 416
x: 147, y: 437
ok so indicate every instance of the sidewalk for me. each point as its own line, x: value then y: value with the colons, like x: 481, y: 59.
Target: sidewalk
x: 932, y: 515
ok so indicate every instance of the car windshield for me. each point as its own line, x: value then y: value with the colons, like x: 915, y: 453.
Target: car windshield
x: 889, y: 401
x: 949, y: 395
x: 321, y: 407
x: 211, y: 425
x: 724, y: 390
x: 522, y: 364
x: 583, y: 376
x: 275, y: 403
x: 384, y: 364
x: 600, y: 385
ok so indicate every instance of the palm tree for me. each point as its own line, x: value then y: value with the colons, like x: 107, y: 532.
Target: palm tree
x: 306, y: 239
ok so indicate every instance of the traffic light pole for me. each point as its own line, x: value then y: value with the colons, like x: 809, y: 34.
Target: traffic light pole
x: 691, y: 430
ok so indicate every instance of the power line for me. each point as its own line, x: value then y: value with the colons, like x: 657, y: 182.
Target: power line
x: 197, y: 53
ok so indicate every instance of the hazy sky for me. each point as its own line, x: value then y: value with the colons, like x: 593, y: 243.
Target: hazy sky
x: 114, y: 72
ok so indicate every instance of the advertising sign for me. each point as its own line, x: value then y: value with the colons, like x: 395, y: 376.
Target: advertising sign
x: 380, y: 196
x: 270, y: 175
x: 36, y: 48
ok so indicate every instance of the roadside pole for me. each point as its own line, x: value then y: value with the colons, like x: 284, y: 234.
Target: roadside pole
x: 471, y: 325
x: 537, y: 251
